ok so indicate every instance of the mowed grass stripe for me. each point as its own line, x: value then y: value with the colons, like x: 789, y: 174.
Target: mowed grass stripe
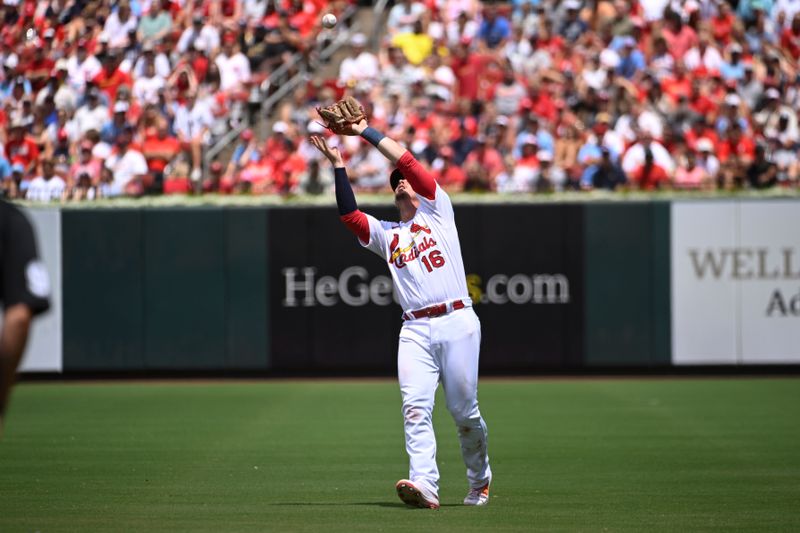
x: 581, y: 455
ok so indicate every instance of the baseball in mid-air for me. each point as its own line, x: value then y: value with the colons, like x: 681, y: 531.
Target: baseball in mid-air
x: 329, y: 20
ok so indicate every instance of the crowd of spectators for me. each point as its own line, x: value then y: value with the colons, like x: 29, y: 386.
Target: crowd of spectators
x: 544, y: 95
x: 101, y: 98
x: 106, y: 98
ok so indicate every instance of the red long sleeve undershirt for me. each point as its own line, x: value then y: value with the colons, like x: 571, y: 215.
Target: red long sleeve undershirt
x: 421, y: 181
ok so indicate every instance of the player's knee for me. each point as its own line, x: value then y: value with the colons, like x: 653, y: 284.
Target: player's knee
x: 414, y: 414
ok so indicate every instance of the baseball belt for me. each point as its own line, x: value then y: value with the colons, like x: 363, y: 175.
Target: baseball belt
x: 434, y: 310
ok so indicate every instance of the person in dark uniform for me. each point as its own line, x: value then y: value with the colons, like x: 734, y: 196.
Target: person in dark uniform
x: 24, y: 291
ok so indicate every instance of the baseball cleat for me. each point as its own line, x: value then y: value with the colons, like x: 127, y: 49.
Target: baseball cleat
x: 479, y: 496
x: 416, y: 496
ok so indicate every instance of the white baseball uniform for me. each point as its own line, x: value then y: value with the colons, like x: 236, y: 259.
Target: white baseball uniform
x: 424, y: 257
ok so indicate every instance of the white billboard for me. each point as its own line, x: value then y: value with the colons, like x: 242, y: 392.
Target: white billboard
x: 736, y: 282
x: 44, y: 351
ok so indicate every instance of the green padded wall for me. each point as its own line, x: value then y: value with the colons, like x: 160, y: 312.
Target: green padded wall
x: 627, y: 284
x: 246, y: 302
x: 103, y: 285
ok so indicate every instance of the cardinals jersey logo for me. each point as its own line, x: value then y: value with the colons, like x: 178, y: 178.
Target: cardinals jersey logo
x: 395, y: 241
x: 416, y: 228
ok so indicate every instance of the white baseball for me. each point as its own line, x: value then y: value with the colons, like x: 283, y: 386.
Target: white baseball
x: 329, y: 20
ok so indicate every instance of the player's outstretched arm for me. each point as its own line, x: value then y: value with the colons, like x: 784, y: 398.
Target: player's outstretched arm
x: 353, y: 218
x: 347, y: 117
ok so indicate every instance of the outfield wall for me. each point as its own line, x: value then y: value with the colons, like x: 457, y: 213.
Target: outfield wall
x: 557, y: 285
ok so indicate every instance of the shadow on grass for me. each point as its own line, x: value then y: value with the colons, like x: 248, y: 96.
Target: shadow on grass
x: 396, y: 505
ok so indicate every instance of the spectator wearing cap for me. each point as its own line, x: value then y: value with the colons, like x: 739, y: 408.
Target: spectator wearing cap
x: 508, y: 94
x: 750, y: 87
x: 730, y: 114
x: 495, y: 29
x: 48, y: 187
x: 38, y: 69
x: 360, y: 69
x: 631, y: 59
x: 547, y: 177
x: 111, y: 76
x: 761, y: 172
x: 449, y: 176
x: 733, y: 68
x: 606, y: 174
x: 15, y: 91
x: 159, y: 149
x: 127, y: 166
x: 82, y: 66
x: 193, y: 121
x: 689, y: 175
x: 151, y: 53
x: 119, y: 121
x: 119, y: 25
x: 21, y: 148
x: 520, y: 173
x: 649, y: 175
x: 403, y: 15
x: 486, y: 157
x: 204, y: 37
x: 86, y: 164
x: 706, y: 158
x: 461, y: 28
x: 703, y: 57
x: 531, y: 125
x: 147, y: 87
x: 416, y: 45
x: 63, y: 96
x: 156, y: 24
x: 233, y: 65
x: 769, y: 117
x: 634, y: 157
x: 15, y: 186
x: 572, y: 27
x: 241, y: 153
x: 680, y: 37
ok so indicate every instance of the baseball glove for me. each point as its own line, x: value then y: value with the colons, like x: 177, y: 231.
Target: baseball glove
x: 340, y: 116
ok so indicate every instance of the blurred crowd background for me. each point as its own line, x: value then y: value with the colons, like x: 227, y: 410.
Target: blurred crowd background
x: 109, y: 98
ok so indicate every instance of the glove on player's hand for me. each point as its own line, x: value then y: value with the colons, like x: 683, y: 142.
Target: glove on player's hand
x: 341, y: 116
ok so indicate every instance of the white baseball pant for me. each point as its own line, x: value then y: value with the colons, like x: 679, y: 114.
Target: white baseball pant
x: 444, y: 348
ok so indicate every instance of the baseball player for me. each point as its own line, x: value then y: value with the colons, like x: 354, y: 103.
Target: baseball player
x: 24, y: 290
x: 441, y: 334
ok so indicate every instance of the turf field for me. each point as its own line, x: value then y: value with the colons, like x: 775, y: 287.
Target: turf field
x: 568, y: 455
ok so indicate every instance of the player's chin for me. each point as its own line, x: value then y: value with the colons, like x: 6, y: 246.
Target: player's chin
x: 401, y: 194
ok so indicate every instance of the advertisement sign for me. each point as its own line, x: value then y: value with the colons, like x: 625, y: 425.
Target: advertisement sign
x: 333, y: 307
x: 736, y: 282
x: 44, y: 353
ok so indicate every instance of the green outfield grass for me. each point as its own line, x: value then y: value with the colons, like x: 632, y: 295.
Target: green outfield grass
x: 568, y: 455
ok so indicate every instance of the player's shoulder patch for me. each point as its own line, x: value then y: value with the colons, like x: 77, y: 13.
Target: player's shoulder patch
x: 37, y: 279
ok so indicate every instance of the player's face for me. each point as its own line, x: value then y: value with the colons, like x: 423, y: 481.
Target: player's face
x: 404, y: 192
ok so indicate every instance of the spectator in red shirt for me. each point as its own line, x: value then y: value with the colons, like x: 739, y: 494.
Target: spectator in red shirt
x: 159, y: 149
x: 111, y: 76
x: 650, y: 176
x: 22, y: 148
x: 450, y: 176
x: 680, y: 37
x: 790, y: 38
x: 487, y: 158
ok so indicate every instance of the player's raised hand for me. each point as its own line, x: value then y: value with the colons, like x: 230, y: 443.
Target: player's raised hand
x: 333, y: 154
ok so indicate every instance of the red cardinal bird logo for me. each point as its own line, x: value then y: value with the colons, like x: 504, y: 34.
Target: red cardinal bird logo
x: 395, y: 241
x: 416, y: 228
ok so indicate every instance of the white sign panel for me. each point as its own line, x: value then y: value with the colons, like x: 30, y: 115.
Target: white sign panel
x: 44, y: 353
x: 704, y: 298
x: 770, y: 282
x: 736, y: 282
